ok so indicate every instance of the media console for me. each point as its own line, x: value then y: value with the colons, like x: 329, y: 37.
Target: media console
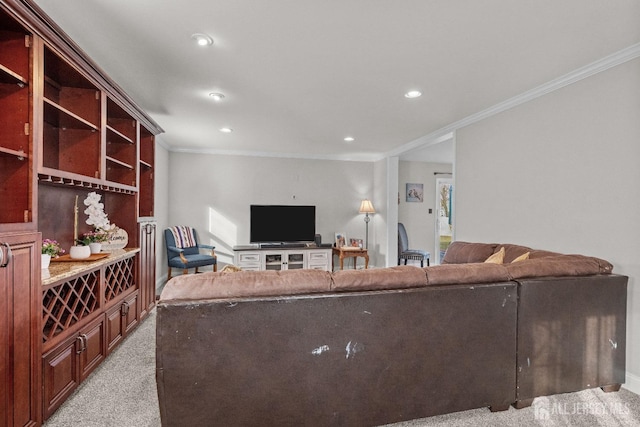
x: 282, y: 257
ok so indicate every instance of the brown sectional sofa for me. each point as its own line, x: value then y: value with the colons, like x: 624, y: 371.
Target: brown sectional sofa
x: 369, y: 347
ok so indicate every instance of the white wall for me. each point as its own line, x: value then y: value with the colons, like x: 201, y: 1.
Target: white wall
x: 562, y: 173
x: 419, y: 223
x: 213, y: 193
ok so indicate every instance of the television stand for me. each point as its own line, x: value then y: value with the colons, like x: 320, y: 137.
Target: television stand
x: 282, y: 257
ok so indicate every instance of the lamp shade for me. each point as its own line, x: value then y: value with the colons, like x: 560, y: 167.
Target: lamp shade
x: 366, y: 207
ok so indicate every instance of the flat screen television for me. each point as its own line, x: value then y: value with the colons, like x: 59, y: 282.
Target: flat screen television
x: 282, y: 224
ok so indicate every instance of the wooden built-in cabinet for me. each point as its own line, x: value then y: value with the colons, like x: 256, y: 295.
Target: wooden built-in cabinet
x: 19, y: 329
x: 84, y: 317
x: 16, y: 153
x: 147, y: 271
x: 65, y: 130
x: 146, y: 169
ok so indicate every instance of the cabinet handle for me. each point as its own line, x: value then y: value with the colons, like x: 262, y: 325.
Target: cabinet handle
x: 124, y: 310
x: 81, y: 345
x: 6, y: 257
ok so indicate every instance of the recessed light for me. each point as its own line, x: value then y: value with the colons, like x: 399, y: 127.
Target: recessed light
x: 226, y: 130
x: 412, y: 94
x: 202, y: 39
x: 216, y: 96
x: 349, y: 139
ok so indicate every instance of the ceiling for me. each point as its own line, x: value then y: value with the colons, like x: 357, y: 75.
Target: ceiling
x: 300, y: 75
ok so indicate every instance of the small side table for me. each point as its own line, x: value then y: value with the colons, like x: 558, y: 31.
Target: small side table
x: 349, y: 252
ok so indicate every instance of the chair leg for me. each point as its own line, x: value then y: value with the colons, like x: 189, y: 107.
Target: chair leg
x: 215, y: 267
x: 196, y: 269
x: 405, y: 261
x: 169, y: 275
x: 422, y: 263
x: 427, y: 262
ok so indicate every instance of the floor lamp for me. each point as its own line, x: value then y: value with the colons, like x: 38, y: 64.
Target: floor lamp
x: 367, y: 208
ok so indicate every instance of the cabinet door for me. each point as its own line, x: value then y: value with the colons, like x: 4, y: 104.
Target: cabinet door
x: 147, y: 267
x: 61, y: 373
x: 121, y: 319
x: 273, y: 261
x: 131, y: 315
x: 19, y: 337
x: 114, y: 327
x: 93, y: 350
x: 295, y: 260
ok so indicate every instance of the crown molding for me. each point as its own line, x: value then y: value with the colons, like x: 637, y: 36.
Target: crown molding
x: 339, y: 157
x: 630, y: 53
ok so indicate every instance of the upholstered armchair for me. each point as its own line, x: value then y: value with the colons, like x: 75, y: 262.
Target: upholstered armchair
x: 183, y: 250
x: 404, y: 253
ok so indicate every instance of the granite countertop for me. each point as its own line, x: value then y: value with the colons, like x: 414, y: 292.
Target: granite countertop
x: 58, y: 271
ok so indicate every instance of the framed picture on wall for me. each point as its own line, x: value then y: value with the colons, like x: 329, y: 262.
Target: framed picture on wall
x: 415, y: 193
x: 341, y: 239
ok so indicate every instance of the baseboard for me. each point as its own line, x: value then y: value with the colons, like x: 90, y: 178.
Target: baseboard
x: 633, y: 383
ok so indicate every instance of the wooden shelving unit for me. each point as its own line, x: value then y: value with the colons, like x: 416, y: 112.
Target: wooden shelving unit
x: 72, y: 119
x: 66, y: 130
x: 121, y: 139
x: 146, y: 169
x: 15, y: 142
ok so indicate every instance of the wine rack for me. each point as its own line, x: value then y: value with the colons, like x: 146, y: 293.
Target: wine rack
x: 68, y: 303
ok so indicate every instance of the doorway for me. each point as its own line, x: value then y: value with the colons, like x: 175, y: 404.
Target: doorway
x: 444, y: 219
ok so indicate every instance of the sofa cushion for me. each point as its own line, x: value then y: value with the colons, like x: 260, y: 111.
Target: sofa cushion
x: 451, y: 274
x: 540, y: 253
x: 246, y: 284
x: 559, y: 265
x: 402, y: 276
x: 465, y: 252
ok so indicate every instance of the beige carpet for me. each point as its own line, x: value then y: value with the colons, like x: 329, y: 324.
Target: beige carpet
x: 122, y: 393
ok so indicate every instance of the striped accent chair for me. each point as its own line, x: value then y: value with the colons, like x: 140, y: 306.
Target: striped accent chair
x: 183, y: 250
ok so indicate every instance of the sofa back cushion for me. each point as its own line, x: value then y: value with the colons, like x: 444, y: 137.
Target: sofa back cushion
x: 559, y: 265
x: 246, y: 284
x: 402, y: 276
x: 452, y: 274
x: 466, y: 252
x: 512, y: 252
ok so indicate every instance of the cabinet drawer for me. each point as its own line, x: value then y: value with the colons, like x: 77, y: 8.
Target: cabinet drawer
x: 318, y: 256
x: 251, y: 267
x: 248, y: 258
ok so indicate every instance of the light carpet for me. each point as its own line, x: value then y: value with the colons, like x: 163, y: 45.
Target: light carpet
x: 122, y: 393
